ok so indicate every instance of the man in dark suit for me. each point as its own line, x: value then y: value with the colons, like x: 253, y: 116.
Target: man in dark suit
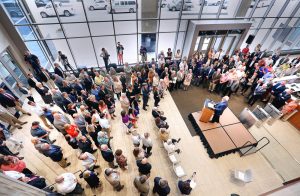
x: 85, y: 145
x: 219, y: 109
x: 58, y: 99
x: 278, y: 88
x: 103, y: 91
x: 281, y: 98
x: 32, y: 80
x: 207, y: 75
x: 66, y: 99
x: 58, y: 70
x: 10, y: 100
x: 250, y: 63
x: 32, y: 60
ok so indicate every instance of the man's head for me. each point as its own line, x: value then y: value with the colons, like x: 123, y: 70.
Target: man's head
x: 163, y: 183
x: 225, y: 98
x: 45, y: 146
x: 2, y: 90
x: 108, y: 171
x: 35, y: 124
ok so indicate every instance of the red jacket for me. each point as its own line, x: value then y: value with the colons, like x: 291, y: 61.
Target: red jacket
x: 72, y: 131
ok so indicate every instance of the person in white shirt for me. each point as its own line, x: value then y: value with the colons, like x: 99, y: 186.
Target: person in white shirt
x: 88, y: 161
x: 39, y: 110
x: 161, y: 61
x: 67, y: 183
x: 170, y: 147
x: 269, y: 60
x: 104, y: 123
x: 147, y: 143
x: 136, y: 138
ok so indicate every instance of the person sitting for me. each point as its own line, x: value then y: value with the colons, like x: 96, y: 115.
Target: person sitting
x: 38, y: 131
x: 144, y: 167
x: 161, y: 124
x: 102, y: 138
x: 156, y: 113
x: 161, y: 186
x: 185, y: 186
x: 113, y: 177
x: 67, y: 183
x: 72, y: 130
x: 164, y: 135
x: 88, y: 161
x: 12, y: 163
x: 72, y: 141
x: 92, y: 179
x: 170, y: 146
x: 85, y: 145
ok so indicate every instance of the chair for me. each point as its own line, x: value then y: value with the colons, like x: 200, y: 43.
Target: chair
x: 178, y: 169
x: 243, y: 176
x: 173, y: 158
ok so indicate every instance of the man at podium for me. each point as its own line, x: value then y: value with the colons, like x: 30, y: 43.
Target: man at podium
x: 219, y: 109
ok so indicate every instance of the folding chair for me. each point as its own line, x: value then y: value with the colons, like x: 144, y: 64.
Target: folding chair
x: 178, y: 169
x: 243, y: 176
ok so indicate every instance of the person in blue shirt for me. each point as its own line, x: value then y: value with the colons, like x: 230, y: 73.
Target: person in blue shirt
x: 161, y: 186
x: 38, y: 131
x: 55, y: 154
x: 219, y: 109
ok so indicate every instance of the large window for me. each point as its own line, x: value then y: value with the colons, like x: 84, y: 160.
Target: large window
x: 81, y: 28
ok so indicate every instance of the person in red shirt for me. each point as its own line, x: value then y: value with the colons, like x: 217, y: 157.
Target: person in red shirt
x: 245, y: 50
x: 72, y: 130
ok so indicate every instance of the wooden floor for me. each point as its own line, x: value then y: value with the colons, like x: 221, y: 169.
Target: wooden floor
x: 213, y: 175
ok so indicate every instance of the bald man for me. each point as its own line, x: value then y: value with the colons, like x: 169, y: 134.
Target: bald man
x: 219, y: 109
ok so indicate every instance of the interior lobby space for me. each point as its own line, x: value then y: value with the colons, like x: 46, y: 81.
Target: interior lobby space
x: 150, y: 97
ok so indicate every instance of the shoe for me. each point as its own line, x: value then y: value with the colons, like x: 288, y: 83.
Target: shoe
x: 65, y: 159
x: 53, y: 141
x: 28, y: 114
x: 114, y: 115
x: 51, y: 188
x: 115, y: 166
x: 68, y: 164
x: 149, y: 154
x: 19, y: 127
x: 94, y: 150
x: 23, y: 123
x: 147, y: 105
x: 50, y: 127
x: 178, y: 151
x: 178, y: 140
x: 20, y: 158
x: 120, y: 188
x: 145, y: 109
x: 96, y: 166
x: 111, y: 137
x: 16, y: 153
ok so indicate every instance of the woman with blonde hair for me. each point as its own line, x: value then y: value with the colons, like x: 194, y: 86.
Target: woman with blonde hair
x: 125, y: 104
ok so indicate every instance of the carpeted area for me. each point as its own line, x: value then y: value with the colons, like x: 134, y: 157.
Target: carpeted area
x: 193, y: 99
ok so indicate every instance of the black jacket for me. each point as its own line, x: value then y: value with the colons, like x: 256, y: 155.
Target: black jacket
x: 59, y: 72
x: 7, y: 102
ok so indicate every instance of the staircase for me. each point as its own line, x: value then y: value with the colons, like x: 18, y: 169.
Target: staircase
x: 249, y: 148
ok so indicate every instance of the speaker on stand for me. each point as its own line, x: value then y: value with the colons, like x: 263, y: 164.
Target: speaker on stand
x: 250, y: 39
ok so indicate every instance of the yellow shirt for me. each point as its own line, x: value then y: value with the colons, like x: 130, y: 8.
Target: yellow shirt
x: 98, y: 79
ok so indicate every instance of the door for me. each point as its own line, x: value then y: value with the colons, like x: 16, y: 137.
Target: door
x: 10, y: 73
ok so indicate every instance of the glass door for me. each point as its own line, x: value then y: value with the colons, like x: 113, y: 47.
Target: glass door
x: 11, y: 74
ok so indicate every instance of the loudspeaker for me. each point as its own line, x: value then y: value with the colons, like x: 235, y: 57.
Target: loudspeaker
x: 250, y: 39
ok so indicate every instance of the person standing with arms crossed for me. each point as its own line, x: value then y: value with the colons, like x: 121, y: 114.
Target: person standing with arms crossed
x: 120, y: 50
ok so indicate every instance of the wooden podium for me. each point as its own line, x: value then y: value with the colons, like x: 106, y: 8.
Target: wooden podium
x: 207, y: 112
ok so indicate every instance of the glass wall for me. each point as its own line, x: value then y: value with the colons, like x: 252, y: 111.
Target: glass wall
x: 81, y: 28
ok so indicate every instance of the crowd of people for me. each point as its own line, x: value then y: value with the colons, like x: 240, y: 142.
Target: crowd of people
x: 87, y: 100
